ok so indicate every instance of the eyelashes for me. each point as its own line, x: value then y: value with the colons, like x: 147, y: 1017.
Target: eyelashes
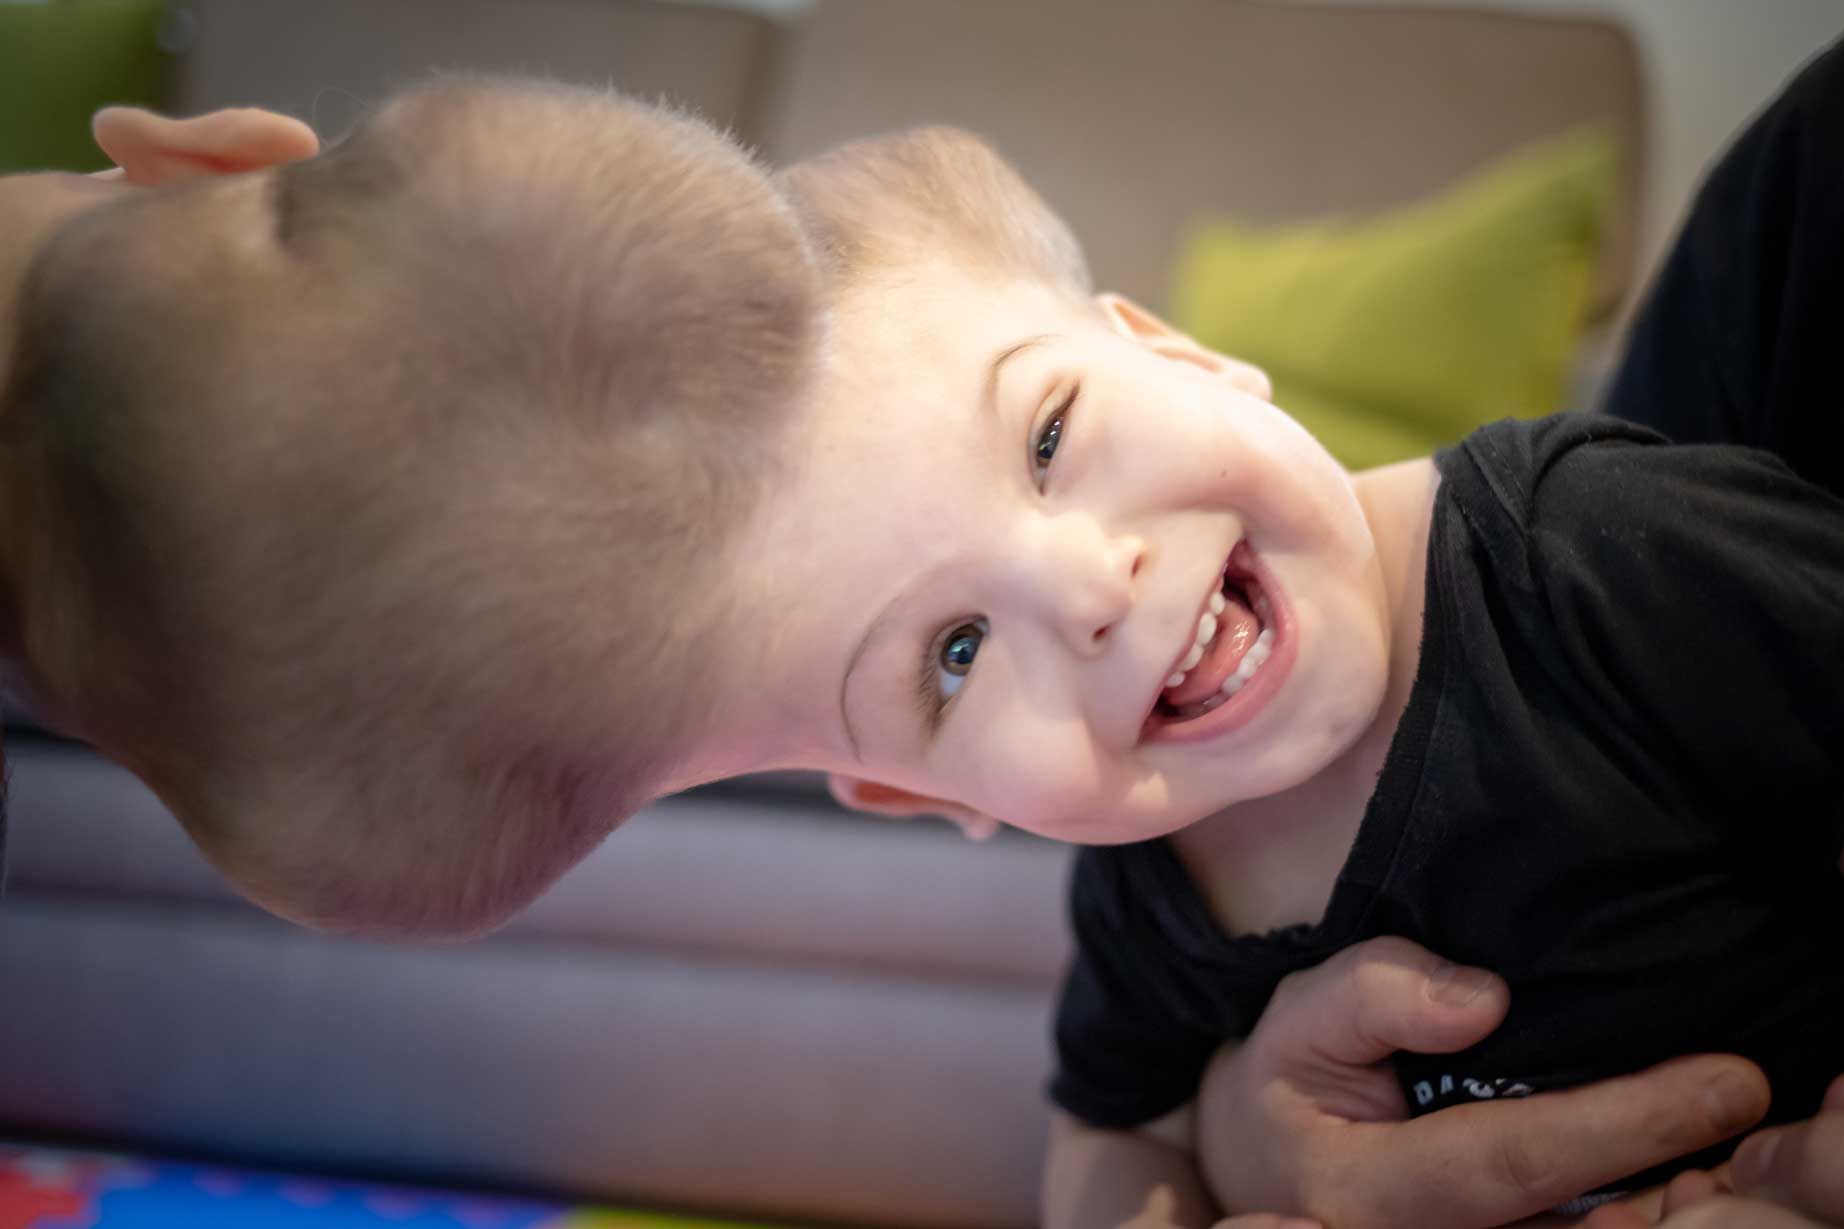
x: 945, y: 666
x: 1049, y: 437
x: 948, y: 661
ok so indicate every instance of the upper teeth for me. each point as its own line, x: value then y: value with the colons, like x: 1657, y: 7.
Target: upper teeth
x: 1206, y: 631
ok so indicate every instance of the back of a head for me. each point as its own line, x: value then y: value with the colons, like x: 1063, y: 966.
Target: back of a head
x: 878, y: 206
x: 410, y: 602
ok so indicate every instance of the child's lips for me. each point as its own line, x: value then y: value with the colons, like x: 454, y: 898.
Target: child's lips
x: 1256, y: 678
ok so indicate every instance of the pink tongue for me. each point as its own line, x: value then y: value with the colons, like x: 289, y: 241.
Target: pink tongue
x: 1237, y: 628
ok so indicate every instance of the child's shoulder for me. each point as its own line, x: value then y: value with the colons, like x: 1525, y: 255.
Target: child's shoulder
x: 1593, y: 490
x: 1508, y: 461
x: 1649, y: 578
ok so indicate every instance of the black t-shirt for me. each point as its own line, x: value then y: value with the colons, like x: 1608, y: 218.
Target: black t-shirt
x: 4, y: 782
x: 1737, y: 341
x: 1619, y: 783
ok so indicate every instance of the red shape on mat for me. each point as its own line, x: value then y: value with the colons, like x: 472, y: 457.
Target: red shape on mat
x: 26, y: 1203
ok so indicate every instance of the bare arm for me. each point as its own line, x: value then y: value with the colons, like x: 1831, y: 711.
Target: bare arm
x: 1101, y: 1179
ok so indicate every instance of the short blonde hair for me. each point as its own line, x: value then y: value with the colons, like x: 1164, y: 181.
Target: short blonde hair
x: 402, y: 627
x: 883, y: 204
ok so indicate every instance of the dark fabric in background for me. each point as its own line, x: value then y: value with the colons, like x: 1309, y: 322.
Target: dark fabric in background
x: 1741, y: 338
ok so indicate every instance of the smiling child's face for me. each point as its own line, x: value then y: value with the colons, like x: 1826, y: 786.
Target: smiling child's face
x: 1013, y: 518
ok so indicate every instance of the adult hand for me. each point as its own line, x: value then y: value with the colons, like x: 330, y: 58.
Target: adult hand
x: 1304, y: 1117
x: 1788, y: 1177
x: 149, y: 150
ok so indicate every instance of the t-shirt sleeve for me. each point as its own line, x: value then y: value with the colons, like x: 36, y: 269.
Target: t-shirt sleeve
x: 1699, y: 592
x: 1125, y: 1051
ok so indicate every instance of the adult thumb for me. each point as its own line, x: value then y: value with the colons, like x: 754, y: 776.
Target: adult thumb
x: 1378, y: 997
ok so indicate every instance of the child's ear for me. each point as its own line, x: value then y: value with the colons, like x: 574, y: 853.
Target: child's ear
x: 857, y: 794
x: 1131, y: 320
x: 151, y: 149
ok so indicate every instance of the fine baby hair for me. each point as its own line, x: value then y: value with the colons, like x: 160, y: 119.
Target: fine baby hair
x: 379, y: 497
x: 876, y: 206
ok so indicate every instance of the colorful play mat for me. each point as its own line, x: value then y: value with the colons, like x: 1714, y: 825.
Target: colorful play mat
x: 43, y: 1188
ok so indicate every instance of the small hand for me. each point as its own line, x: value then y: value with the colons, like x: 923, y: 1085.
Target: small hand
x: 1305, y: 1116
x: 1789, y: 1177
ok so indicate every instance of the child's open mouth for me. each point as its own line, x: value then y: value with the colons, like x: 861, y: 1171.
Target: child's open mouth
x: 1237, y: 639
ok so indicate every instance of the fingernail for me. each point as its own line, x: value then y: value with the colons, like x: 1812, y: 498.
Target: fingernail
x: 1754, y: 1160
x: 1734, y: 1101
x: 1456, y: 986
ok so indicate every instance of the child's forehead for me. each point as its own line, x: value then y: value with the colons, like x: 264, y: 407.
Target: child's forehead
x: 943, y: 319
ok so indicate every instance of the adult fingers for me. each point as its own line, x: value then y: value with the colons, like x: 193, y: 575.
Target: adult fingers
x: 154, y: 149
x: 1801, y: 1166
x: 1492, y: 1162
x: 1266, y: 1220
x: 1378, y: 997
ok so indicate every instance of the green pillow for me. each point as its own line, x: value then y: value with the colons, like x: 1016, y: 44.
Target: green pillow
x: 1395, y: 335
x: 59, y: 62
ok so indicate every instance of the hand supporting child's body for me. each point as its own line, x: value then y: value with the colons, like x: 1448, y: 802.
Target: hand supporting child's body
x: 1300, y: 1117
x: 1304, y: 1122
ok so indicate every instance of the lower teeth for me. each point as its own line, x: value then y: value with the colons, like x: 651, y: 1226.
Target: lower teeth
x: 1252, y: 661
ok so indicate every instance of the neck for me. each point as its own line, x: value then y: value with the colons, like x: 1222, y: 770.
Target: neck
x: 1398, y: 501
x: 1256, y: 880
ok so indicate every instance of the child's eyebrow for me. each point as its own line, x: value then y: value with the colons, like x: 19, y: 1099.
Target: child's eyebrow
x: 989, y: 398
x: 989, y: 401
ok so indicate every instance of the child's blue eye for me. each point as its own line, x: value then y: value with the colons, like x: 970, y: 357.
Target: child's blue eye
x: 1043, y: 449
x: 958, y: 649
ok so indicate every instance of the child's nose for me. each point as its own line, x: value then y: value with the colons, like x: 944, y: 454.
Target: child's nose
x: 1094, y: 590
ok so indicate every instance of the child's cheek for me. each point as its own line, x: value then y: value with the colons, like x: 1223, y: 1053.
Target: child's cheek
x: 1033, y: 770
